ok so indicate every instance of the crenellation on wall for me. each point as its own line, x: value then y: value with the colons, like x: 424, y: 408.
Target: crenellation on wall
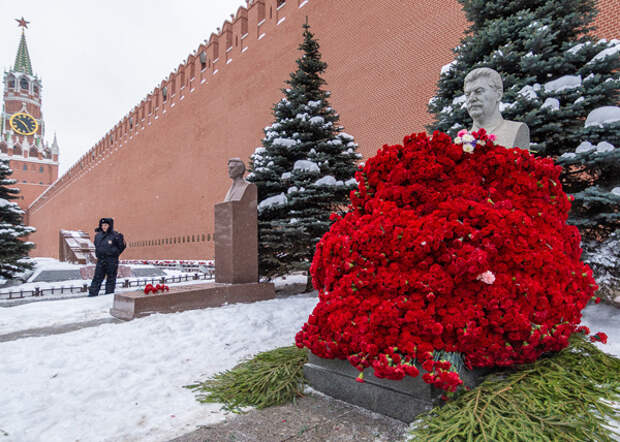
x: 224, y: 114
x: 240, y: 26
x: 256, y: 17
x: 213, y: 49
x: 226, y: 36
x: 233, y: 36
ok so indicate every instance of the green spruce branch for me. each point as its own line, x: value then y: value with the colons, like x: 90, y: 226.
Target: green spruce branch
x: 270, y: 378
x: 570, y: 396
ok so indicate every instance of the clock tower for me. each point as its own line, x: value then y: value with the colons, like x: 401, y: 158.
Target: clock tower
x: 22, y: 129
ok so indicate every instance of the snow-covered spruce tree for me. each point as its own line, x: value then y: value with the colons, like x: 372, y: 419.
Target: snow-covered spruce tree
x: 12, y: 249
x: 565, y: 85
x: 304, y: 170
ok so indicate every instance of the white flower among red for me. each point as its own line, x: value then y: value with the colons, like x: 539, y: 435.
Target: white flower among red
x: 467, y: 140
x: 487, y: 277
x: 468, y: 148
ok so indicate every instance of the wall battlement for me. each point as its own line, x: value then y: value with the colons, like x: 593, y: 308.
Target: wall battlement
x: 238, y: 34
x: 244, y: 29
x: 160, y: 170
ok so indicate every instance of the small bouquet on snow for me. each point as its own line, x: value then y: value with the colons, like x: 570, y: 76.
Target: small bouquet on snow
x: 150, y: 288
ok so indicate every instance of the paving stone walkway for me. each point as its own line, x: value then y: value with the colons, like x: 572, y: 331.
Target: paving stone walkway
x: 313, y: 418
x: 55, y: 329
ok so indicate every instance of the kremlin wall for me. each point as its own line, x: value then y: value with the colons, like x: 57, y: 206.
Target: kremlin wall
x: 161, y: 169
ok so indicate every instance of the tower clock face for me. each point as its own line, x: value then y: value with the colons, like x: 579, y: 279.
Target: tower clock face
x: 23, y: 123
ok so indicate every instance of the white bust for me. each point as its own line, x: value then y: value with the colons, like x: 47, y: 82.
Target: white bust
x: 236, y: 170
x: 483, y: 92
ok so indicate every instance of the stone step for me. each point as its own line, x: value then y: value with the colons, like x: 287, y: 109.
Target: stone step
x: 131, y: 305
x: 402, y: 400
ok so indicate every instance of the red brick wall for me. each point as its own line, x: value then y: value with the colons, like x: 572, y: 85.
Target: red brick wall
x: 160, y: 176
x: 608, y: 19
x: 32, y: 181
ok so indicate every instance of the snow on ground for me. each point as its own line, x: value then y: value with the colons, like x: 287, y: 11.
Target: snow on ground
x: 281, y: 282
x: 124, y: 381
x: 46, y: 314
x: 604, y: 318
x: 41, y: 264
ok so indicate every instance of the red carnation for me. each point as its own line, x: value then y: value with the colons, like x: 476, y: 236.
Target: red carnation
x: 399, y: 275
x: 600, y: 336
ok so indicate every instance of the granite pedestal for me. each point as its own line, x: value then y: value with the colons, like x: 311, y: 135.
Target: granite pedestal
x: 189, y: 297
x: 402, y: 400
x: 236, y: 239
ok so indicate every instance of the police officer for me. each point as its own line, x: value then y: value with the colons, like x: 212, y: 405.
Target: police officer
x: 108, y: 247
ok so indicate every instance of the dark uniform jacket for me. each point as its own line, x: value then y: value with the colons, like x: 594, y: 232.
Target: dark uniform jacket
x: 108, y: 244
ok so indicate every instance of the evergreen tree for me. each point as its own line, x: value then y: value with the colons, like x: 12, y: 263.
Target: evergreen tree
x: 12, y: 249
x: 565, y: 86
x: 304, y: 170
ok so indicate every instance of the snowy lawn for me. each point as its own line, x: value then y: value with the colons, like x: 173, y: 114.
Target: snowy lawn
x: 123, y: 382
x: 606, y: 319
x: 54, y: 313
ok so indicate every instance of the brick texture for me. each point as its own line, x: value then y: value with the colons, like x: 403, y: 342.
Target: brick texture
x: 161, y: 169
x: 608, y: 19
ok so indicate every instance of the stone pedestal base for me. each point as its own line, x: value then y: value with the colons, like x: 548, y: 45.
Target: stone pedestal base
x: 402, y: 400
x: 190, y: 297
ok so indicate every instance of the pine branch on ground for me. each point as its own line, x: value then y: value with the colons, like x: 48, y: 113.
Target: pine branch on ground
x: 270, y: 378
x: 570, y: 396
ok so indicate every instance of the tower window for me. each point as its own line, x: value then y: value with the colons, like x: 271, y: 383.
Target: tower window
x: 23, y: 83
x: 25, y: 167
x: 41, y: 169
x: 164, y: 93
x: 36, y: 89
x: 280, y: 3
x: 203, y: 60
x: 12, y: 82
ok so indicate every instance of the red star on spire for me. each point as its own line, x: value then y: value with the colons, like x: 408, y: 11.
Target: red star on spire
x: 22, y: 22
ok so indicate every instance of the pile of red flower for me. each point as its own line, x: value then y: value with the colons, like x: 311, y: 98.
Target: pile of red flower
x: 150, y: 288
x: 448, y: 250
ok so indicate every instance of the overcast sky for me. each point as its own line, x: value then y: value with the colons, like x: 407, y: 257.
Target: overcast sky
x: 97, y: 59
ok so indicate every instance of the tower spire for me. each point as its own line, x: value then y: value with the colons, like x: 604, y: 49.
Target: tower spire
x: 55, y: 147
x: 22, y: 59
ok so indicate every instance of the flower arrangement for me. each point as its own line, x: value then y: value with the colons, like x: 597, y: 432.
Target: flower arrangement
x: 471, y: 140
x: 150, y: 288
x: 448, y: 250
